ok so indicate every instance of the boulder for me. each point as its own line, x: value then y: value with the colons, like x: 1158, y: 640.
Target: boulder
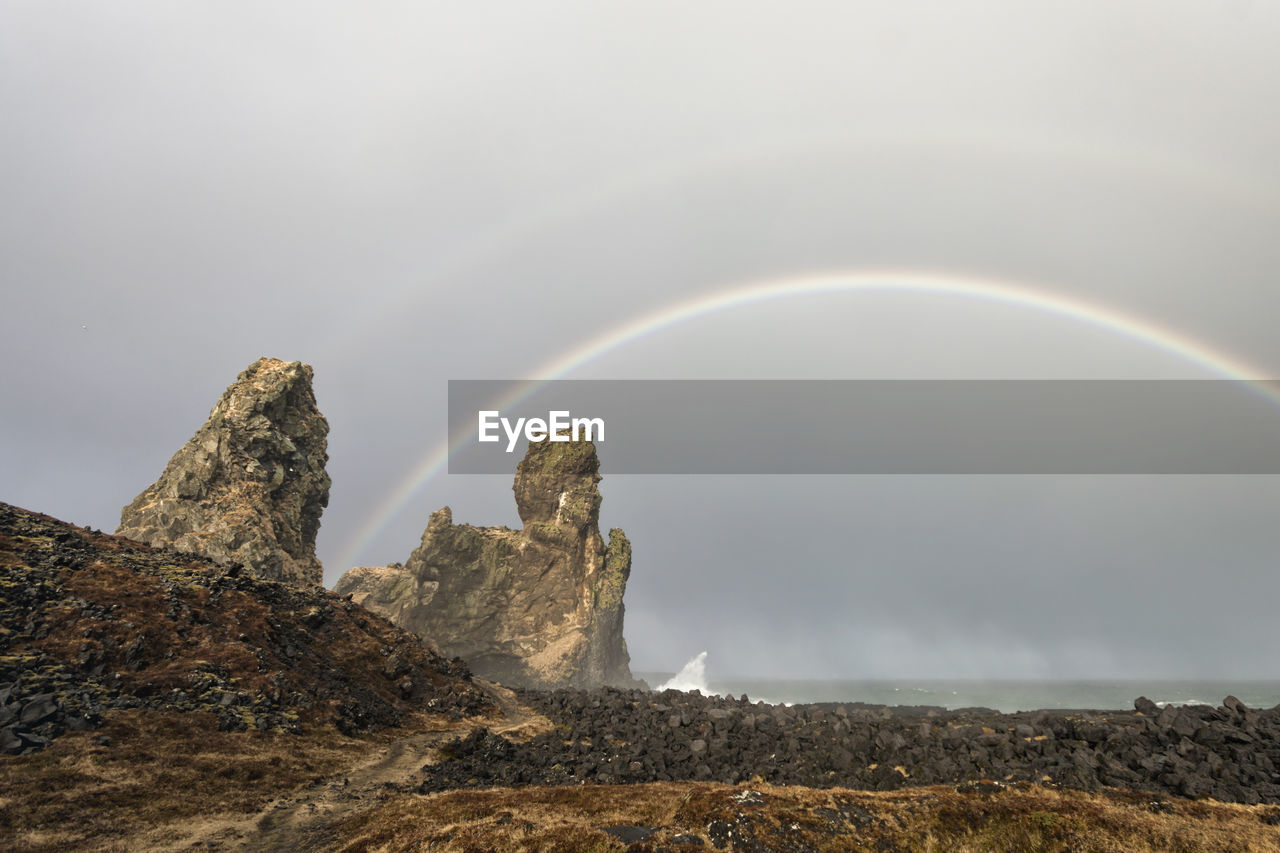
x: 250, y: 485
x: 535, y: 607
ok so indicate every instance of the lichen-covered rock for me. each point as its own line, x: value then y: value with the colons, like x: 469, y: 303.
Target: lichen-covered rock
x: 537, y: 607
x: 250, y: 485
x: 388, y: 590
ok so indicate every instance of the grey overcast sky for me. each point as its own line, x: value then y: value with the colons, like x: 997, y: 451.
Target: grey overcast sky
x: 404, y: 193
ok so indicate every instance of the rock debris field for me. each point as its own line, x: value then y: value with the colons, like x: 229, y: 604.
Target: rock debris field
x: 609, y: 735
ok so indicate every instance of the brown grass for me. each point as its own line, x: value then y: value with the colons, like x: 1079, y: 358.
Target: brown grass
x: 939, y: 819
x: 164, y: 772
x: 159, y: 768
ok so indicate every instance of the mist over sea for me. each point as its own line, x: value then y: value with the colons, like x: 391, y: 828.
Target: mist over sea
x: 1001, y: 695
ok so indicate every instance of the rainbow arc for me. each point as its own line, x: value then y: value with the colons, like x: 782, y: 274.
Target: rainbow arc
x: 1106, y: 319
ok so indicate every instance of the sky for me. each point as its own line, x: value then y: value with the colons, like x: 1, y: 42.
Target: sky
x: 400, y: 194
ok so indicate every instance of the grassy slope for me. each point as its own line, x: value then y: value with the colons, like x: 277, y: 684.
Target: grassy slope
x: 1024, y: 818
x: 215, y: 692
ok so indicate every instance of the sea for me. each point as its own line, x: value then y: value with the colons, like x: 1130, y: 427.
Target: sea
x: 1001, y: 695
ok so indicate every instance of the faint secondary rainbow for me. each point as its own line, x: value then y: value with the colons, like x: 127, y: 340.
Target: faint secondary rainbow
x: 1097, y: 315
x: 1159, y: 166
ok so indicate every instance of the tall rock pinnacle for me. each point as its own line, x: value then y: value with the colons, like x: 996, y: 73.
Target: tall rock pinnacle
x: 539, y: 607
x: 250, y: 485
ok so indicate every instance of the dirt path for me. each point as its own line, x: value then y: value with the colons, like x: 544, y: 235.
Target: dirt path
x: 298, y: 821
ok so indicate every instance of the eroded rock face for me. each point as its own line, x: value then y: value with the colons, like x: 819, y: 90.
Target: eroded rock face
x: 250, y: 485
x: 538, y: 607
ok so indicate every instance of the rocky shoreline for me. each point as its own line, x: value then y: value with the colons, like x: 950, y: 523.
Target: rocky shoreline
x: 1230, y: 753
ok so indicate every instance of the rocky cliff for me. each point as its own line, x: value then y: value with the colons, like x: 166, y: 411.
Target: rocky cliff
x: 250, y: 485
x: 541, y: 606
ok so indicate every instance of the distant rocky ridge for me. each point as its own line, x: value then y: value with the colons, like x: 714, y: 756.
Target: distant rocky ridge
x: 536, y: 607
x: 250, y: 485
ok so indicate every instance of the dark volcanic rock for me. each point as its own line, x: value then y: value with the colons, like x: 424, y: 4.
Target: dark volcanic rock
x: 630, y: 834
x: 92, y: 624
x: 541, y: 606
x: 628, y: 736
x: 250, y: 485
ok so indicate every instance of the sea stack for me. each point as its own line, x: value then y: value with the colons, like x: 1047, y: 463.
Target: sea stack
x: 250, y: 485
x: 536, y: 607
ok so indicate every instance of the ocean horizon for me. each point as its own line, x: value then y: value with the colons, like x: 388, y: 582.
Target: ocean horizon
x: 1004, y: 695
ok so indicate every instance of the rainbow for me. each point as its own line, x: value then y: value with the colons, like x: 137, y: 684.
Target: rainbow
x: 1096, y: 315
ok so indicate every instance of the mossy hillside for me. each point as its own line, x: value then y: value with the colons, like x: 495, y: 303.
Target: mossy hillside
x: 102, y: 624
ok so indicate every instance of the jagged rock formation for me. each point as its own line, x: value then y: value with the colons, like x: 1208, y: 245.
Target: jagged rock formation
x: 539, y: 607
x: 250, y: 485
